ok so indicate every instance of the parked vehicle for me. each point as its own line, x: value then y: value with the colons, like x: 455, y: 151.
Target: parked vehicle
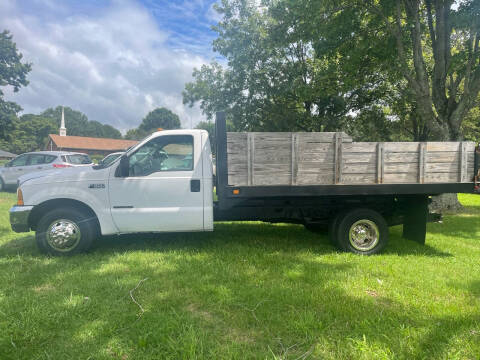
x: 164, y: 184
x: 107, y: 160
x: 39, y: 161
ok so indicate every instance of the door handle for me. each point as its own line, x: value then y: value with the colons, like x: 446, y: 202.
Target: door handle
x: 39, y: 167
x: 19, y: 169
x: 195, y: 185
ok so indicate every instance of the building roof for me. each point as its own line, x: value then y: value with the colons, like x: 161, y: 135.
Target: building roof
x: 90, y: 143
x: 6, y: 154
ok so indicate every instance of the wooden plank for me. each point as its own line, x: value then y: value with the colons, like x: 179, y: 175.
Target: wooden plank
x: 360, y: 147
x: 251, y: 158
x: 463, y: 162
x: 443, y: 156
x: 394, y: 147
x: 360, y: 168
x: 441, y: 177
x: 449, y: 146
x: 380, y: 163
x: 422, y: 161
x: 315, y: 179
x: 401, y: 157
x: 349, y: 179
x: 356, y: 158
x: 322, y: 137
x: 338, y: 158
x: 410, y: 178
x: 294, y: 157
x: 442, y: 167
x: 396, y: 168
x: 269, y: 180
x: 314, y: 148
x: 316, y: 167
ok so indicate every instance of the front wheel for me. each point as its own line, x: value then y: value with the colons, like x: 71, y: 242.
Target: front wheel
x: 64, y: 232
x: 2, y: 185
x: 362, y: 231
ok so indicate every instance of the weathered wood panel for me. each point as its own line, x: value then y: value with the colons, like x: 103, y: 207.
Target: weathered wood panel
x: 332, y: 158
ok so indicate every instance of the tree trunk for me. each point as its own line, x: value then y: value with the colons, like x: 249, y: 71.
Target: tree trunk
x: 445, y: 203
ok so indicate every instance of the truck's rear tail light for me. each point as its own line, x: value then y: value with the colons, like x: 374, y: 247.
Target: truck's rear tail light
x: 236, y: 191
x: 61, y: 166
x: 19, y: 197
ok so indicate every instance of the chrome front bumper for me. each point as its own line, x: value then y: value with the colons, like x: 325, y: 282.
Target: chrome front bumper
x: 19, y: 218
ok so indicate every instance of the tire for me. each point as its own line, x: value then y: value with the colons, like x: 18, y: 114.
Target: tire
x: 333, y: 228
x: 362, y: 231
x: 2, y: 185
x: 75, y: 232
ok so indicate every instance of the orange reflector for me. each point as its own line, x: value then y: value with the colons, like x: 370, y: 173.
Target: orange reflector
x: 19, y: 197
x: 160, y: 129
x: 236, y: 192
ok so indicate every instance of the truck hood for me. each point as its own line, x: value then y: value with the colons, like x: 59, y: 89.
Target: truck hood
x: 63, y: 175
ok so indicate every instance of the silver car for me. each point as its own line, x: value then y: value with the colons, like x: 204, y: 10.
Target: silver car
x: 39, y: 161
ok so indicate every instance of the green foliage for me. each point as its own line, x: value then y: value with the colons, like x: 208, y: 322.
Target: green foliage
x: 210, y: 127
x: 12, y: 73
x: 30, y: 133
x: 136, y: 134
x: 330, y: 65
x: 77, y: 124
x: 247, y: 290
x: 160, y: 118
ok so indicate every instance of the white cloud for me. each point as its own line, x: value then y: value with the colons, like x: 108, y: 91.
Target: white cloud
x: 113, y: 64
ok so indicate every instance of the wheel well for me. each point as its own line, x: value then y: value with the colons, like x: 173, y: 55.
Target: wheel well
x: 46, y: 206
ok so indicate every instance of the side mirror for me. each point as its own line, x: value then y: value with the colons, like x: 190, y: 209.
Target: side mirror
x: 7, y: 164
x: 123, y: 168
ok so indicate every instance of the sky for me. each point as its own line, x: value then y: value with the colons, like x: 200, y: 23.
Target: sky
x: 113, y: 60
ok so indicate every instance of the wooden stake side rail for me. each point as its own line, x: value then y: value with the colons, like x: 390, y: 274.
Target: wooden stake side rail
x: 268, y: 159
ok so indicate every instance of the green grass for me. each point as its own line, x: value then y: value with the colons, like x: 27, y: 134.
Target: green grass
x: 245, y: 291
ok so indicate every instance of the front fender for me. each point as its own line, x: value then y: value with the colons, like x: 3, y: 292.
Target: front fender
x: 95, y: 198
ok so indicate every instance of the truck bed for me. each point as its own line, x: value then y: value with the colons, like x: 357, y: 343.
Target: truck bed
x: 300, y: 159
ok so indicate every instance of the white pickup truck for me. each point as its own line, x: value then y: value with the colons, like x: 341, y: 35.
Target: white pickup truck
x: 165, y: 184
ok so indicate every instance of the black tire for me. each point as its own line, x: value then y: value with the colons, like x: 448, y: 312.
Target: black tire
x: 2, y: 185
x: 369, y: 228
x: 333, y: 228
x: 80, y: 227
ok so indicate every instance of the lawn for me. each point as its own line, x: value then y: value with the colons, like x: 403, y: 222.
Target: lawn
x: 245, y: 291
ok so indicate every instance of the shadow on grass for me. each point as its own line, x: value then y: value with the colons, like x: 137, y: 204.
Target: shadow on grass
x: 251, y: 295
x: 263, y: 237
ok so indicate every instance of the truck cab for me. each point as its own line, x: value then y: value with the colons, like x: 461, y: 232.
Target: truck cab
x: 163, y: 184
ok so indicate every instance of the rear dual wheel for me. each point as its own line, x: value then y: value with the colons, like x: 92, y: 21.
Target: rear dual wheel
x: 360, y: 231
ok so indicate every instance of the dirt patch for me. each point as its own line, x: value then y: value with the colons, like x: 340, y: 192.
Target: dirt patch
x: 43, y: 288
x: 197, y: 312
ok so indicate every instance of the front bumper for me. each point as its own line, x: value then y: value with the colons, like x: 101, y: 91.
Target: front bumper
x: 19, y: 218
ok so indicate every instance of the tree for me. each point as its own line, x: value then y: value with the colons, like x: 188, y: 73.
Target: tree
x: 136, y: 134
x: 12, y: 73
x: 209, y: 126
x: 276, y: 79
x: 77, y: 124
x: 30, y: 133
x: 160, y: 118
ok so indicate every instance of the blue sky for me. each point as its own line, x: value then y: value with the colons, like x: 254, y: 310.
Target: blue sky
x: 114, y: 60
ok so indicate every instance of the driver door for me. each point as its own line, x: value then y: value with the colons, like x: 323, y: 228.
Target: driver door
x: 162, y: 192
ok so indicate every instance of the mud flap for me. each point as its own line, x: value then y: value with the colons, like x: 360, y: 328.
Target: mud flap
x: 415, y: 219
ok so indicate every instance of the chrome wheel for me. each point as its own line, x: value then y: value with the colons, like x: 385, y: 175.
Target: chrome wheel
x: 364, y: 235
x: 63, y: 235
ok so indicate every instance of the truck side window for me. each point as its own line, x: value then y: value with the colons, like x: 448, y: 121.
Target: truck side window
x: 164, y: 153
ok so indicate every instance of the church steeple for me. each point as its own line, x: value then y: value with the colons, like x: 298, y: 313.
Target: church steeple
x: 63, y: 129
